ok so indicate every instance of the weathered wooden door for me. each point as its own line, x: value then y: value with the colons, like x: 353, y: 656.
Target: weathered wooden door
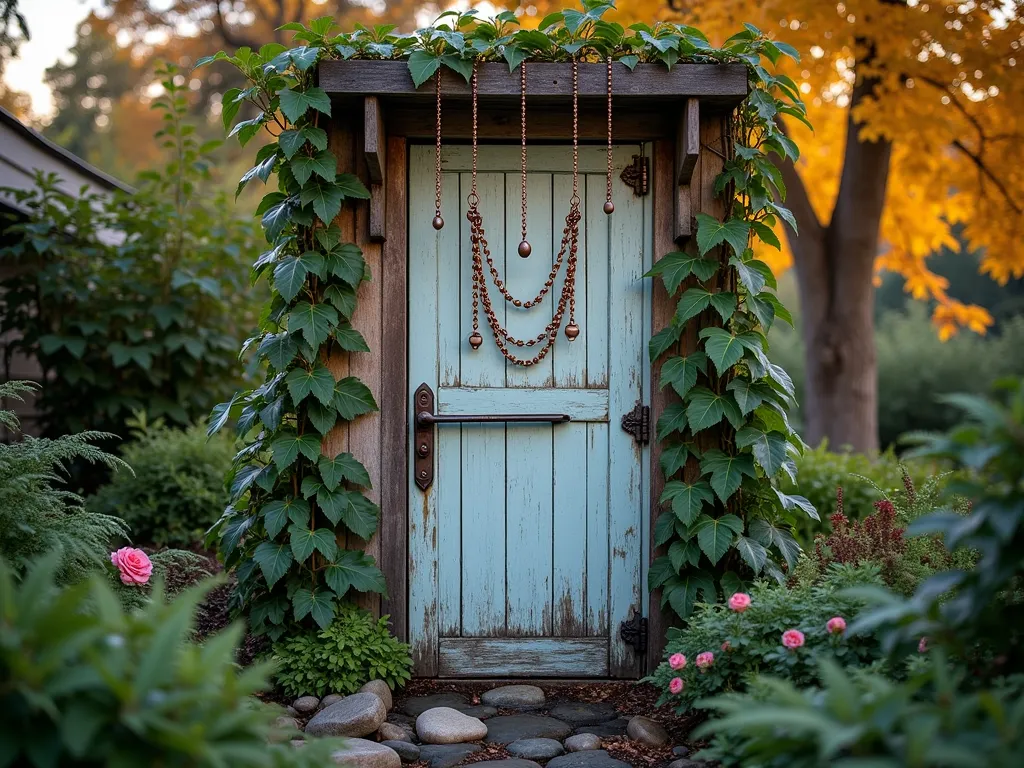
x: 526, y: 550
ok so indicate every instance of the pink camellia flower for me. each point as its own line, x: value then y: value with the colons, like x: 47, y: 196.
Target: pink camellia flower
x: 836, y: 625
x: 922, y: 646
x: 675, y: 685
x: 705, y: 660
x: 739, y: 602
x: 134, y: 565
x: 792, y: 638
x: 726, y: 646
x: 677, y: 661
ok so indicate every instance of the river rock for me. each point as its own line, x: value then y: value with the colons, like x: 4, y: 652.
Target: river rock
x: 578, y: 713
x: 391, y: 732
x: 508, y: 728
x: 616, y: 727
x: 446, y: 755
x: 514, y: 697
x: 417, y: 705
x: 478, y: 710
x: 382, y: 690
x: 444, y: 725
x: 595, y: 758
x: 408, y: 751
x: 680, y: 751
x: 357, y: 715
x: 687, y: 763
x: 583, y: 742
x: 360, y: 753
x: 329, y: 699
x: 535, y: 749
x: 647, y: 731
x: 306, y: 705
x: 284, y: 728
x: 508, y: 763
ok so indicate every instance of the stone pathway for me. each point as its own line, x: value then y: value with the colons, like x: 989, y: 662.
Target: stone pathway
x: 507, y: 726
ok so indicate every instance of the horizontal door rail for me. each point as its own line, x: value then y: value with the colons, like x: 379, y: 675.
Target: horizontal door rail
x: 425, y: 418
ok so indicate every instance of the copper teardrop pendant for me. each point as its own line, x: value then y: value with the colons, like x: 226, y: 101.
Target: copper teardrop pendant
x: 475, y: 340
x: 525, y: 249
x: 572, y: 331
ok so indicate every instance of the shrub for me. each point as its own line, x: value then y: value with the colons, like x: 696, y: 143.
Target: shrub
x: 38, y: 513
x: 106, y: 687
x: 745, y: 642
x: 177, y: 489
x: 354, y: 649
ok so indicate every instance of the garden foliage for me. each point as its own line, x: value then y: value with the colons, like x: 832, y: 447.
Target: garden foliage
x: 115, y: 688
x: 130, y: 301
x: 963, y: 703
x: 354, y: 649
x: 290, y: 502
x: 176, y: 490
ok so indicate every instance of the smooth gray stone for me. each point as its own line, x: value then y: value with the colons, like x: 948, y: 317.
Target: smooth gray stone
x: 306, y: 705
x: 357, y: 715
x: 616, y: 727
x: 578, y: 713
x: 510, y: 763
x: 479, y: 711
x: 409, y: 753
x: 647, y: 731
x: 582, y: 742
x: 596, y: 758
x: 380, y: 688
x: 686, y: 763
x: 535, y: 749
x: 514, y: 697
x: 444, y: 725
x: 329, y: 699
x: 360, y: 753
x: 391, y: 732
x: 680, y: 751
x: 446, y: 755
x: 403, y: 720
x: 417, y: 705
x: 508, y: 728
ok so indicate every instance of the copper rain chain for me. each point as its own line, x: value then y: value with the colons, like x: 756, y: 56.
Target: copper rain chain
x: 482, y: 252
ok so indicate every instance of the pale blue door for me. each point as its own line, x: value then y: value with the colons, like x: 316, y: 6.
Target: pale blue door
x: 526, y: 550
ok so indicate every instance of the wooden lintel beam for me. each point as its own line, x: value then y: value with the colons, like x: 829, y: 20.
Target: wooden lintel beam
x: 373, y: 139
x: 688, y: 141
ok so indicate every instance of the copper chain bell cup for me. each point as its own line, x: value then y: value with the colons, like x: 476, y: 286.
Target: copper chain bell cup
x: 568, y: 250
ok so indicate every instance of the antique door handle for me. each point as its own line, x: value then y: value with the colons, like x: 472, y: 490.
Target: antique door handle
x: 425, y: 419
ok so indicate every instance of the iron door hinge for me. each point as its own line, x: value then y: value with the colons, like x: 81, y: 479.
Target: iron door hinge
x: 637, y: 174
x: 638, y: 423
x: 634, y: 632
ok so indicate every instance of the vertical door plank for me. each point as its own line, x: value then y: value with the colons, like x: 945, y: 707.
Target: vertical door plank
x: 571, y: 483
x: 595, y: 326
x: 646, y: 521
x: 423, y: 367
x: 597, y: 529
x: 448, y: 474
x: 528, y: 522
x: 394, y: 427
x: 626, y: 343
x: 569, y: 359
x: 526, y: 276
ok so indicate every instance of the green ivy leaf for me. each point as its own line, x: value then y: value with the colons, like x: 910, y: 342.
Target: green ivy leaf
x: 753, y: 553
x: 326, y: 197
x: 322, y: 164
x: 769, y: 448
x: 724, y: 349
x: 664, y: 339
x: 675, y: 267
x: 271, y: 413
x: 711, y: 232
x: 346, y: 262
x: 319, y: 604
x: 304, y: 541
x: 278, y: 349
x: 790, y: 502
x: 349, y: 338
x: 659, y: 573
x: 295, y: 104
x: 323, y: 417
x: 705, y: 409
x: 673, y: 419
x: 681, y: 372
x: 664, y: 528
x: 319, y: 381
x: 276, y: 514
x: 673, y: 457
x: 315, y: 321
x: 422, y: 66
x: 715, y: 535
x: 684, y: 553
x: 726, y: 471
x: 681, y: 592
x: 748, y: 395
x: 359, y: 514
x: 754, y: 274
x: 692, y: 303
x: 688, y: 499
x: 724, y: 303
x: 354, y: 570
x: 273, y: 560
x: 286, y: 448
x: 353, y: 398
x: 768, y: 535
x: 342, y: 297
x: 289, y: 277
x: 344, y: 466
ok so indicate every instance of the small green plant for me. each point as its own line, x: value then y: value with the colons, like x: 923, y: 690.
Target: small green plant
x: 725, y: 646
x: 177, y: 490
x: 354, y: 649
x: 37, y: 511
x: 86, y: 683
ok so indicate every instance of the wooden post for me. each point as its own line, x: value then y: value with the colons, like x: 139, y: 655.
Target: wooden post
x: 687, y: 152
x: 374, y: 151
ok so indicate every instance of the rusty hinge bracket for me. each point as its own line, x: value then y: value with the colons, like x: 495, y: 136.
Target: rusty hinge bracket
x: 634, y: 632
x: 636, y: 175
x: 638, y: 423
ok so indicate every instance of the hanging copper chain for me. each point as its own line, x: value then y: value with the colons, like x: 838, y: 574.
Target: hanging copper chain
x: 437, y: 154
x: 481, y: 252
x: 608, y: 178
x: 522, y: 133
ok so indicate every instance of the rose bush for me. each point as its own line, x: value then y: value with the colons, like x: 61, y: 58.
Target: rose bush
x: 133, y: 565
x: 774, y: 629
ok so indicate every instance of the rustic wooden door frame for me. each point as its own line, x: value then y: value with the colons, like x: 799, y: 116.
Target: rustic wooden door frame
x: 688, y: 152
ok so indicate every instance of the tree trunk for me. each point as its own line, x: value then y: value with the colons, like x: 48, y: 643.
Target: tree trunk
x: 834, y: 268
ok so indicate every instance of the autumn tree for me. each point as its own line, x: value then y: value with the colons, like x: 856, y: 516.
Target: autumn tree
x: 918, y: 114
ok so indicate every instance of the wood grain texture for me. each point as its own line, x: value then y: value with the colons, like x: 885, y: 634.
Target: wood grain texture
x: 688, y: 141
x: 578, y: 404
x: 523, y: 657
x: 394, y: 533
x: 725, y: 83
x: 374, y: 143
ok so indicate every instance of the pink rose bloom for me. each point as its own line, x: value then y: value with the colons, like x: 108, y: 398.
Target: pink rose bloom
x: 675, y: 685
x: 705, y: 660
x: 836, y: 625
x: 792, y: 638
x: 726, y: 646
x: 677, y: 661
x: 739, y: 602
x: 922, y: 646
x: 134, y: 565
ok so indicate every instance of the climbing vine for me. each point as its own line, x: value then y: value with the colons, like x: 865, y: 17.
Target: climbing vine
x: 290, y: 502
